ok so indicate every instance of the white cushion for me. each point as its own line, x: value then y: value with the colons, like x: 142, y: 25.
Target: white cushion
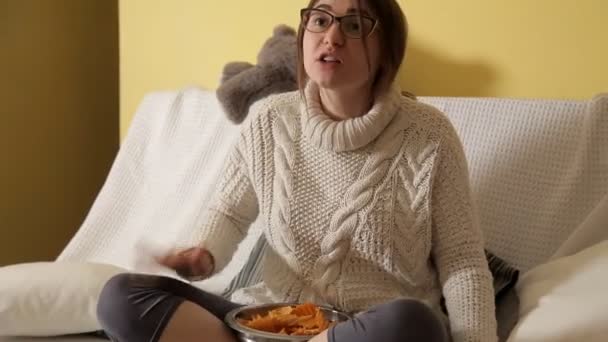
x: 51, y: 298
x: 566, y: 299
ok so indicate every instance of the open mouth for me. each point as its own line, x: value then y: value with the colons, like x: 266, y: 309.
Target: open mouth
x: 328, y: 58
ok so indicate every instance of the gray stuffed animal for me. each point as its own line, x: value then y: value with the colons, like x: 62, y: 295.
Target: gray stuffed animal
x: 243, y: 83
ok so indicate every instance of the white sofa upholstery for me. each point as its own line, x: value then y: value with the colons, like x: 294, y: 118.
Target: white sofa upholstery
x: 538, y: 168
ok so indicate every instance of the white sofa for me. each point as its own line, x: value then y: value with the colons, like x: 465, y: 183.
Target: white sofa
x: 539, y: 171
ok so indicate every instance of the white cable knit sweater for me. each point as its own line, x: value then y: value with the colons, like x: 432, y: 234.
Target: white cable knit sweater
x: 358, y: 212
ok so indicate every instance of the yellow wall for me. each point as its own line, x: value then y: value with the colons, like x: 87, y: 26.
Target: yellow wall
x: 58, y: 119
x: 518, y: 48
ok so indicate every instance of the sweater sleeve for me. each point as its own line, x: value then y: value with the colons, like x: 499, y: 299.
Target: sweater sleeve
x: 458, y: 248
x: 232, y: 209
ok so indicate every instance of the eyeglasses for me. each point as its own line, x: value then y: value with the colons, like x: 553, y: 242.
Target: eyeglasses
x: 352, y: 25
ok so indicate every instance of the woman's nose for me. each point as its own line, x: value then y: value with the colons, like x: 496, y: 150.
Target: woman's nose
x: 334, y: 35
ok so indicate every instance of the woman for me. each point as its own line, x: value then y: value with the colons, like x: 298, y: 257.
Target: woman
x: 365, y: 197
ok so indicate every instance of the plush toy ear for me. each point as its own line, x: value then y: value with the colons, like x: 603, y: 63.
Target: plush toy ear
x: 242, y: 83
x: 234, y: 94
x: 232, y: 69
x: 284, y: 30
x: 238, y: 93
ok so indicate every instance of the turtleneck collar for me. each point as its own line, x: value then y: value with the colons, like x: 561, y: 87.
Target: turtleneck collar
x: 349, y: 134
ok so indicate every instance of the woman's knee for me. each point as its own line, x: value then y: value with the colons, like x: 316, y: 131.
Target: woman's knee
x: 411, y: 320
x: 123, y: 300
x: 112, y: 303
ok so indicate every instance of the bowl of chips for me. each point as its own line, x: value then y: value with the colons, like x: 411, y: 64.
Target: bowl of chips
x: 282, y: 322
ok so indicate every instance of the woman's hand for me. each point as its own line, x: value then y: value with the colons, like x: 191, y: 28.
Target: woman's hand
x: 194, y: 263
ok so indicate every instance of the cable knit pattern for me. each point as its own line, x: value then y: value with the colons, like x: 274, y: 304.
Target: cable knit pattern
x: 357, y: 212
x: 284, y: 160
x: 336, y: 244
x: 234, y: 207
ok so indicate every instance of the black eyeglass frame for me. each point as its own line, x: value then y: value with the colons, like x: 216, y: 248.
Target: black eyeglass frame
x: 334, y: 18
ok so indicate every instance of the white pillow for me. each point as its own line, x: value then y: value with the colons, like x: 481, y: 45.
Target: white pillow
x: 51, y: 298
x: 565, y: 299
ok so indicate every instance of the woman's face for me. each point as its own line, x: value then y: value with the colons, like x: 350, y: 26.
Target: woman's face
x: 336, y: 60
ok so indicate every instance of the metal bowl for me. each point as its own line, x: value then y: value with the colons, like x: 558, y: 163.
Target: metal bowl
x: 246, y: 334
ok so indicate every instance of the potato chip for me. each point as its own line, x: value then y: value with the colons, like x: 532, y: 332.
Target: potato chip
x: 305, y: 309
x: 284, y: 310
x: 303, y: 319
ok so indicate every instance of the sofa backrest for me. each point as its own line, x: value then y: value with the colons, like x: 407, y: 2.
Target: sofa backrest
x: 537, y: 169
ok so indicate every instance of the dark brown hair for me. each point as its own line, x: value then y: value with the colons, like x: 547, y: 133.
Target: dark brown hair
x: 393, y: 31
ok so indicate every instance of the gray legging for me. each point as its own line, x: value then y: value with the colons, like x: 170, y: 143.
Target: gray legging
x: 137, y: 307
